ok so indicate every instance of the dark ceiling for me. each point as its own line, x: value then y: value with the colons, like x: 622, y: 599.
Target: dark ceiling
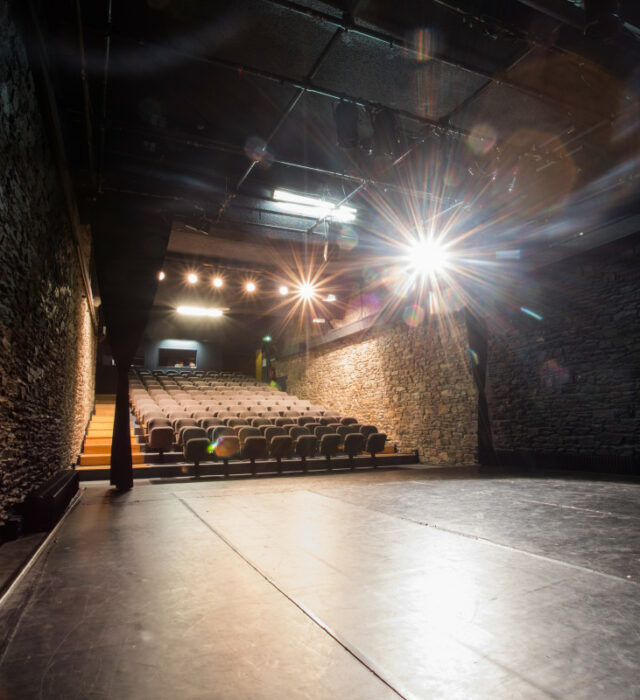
x: 514, y: 126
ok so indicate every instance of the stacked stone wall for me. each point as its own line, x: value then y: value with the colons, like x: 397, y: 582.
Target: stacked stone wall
x: 569, y: 383
x: 415, y: 384
x: 47, y: 341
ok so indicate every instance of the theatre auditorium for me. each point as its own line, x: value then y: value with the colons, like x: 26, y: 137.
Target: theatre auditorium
x: 319, y: 349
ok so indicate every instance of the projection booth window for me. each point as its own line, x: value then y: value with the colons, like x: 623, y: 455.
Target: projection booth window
x: 174, y: 357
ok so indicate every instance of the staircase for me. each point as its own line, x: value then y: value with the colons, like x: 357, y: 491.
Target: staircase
x: 97, y: 443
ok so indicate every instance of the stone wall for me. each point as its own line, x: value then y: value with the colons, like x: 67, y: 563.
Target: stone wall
x: 415, y: 384
x: 47, y: 354
x: 569, y: 383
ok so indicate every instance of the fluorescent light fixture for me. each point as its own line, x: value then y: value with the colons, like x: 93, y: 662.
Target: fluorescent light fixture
x: 192, y: 278
x: 319, y: 320
x: 330, y: 297
x: 161, y: 275
x: 211, y: 312
x: 284, y: 290
x: 313, y: 207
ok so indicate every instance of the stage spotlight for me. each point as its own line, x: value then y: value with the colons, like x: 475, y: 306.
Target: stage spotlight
x: 427, y: 258
x: 284, y: 290
x: 346, y: 118
x: 217, y: 282
x: 161, y: 275
x: 306, y: 291
x: 192, y: 278
x: 250, y: 286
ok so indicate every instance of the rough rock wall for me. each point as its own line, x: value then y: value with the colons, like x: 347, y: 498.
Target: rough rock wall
x: 569, y: 383
x: 415, y: 384
x: 47, y: 342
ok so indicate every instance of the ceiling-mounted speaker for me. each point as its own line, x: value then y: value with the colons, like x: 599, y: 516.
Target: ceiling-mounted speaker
x: 387, y: 138
x: 346, y: 116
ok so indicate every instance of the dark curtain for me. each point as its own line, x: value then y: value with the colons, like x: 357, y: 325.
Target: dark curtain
x: 130, y: 241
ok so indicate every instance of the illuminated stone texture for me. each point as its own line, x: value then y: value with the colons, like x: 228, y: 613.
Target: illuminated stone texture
x: 415, y: 384
x: 47, y: 351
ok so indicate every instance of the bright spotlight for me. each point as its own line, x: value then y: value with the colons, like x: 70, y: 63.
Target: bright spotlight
x: 250, y: 286
x: 161, y: 275
x: 306, y: 291
x: 199, y: 311
x: 217, y: 282
x: 284, y: 290
x: 427, y: 257
x: 192, y: 278
x: 267, y: 339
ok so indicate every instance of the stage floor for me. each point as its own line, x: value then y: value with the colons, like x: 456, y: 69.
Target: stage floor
x: 346, y: 585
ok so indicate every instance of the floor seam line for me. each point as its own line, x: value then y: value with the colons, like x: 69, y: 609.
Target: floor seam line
x: 358, y: 656
x: 506, y: 547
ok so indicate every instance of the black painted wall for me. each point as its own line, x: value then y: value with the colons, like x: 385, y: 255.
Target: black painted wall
x: 569, y: 384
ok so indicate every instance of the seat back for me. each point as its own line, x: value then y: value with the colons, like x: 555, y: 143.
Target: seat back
x: 257, y: 422
x: 329, y: 444
x: 189, y: 433
x: 272, y: 431
x: 208, y: 422
x: 375, y: 443
x: 254, y: 447
x: 322, y: 430
x: 349, y: 421
x: 353, y: 444
x: 161, y: 438
x: 183, y: 423
x: 196, y: 449
x: 247, y: 432
x: 281, y: 446
x: 219, y: 431
x: 306, y: 446
x: 366, y: 430
x: 328, y: 419
x: 297, y: 431
x: 303, y: 420
x: 157, y: 423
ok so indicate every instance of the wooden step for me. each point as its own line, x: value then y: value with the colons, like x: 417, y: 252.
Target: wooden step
x: 105, y: 448
x: 98, y: 460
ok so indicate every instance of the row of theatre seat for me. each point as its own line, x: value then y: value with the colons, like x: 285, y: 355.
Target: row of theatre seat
x: 226, y: 416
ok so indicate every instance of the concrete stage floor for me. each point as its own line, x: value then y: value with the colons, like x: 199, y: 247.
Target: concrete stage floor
x: 368, y: 585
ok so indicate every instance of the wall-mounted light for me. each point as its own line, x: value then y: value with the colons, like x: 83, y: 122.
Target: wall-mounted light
x: 250, y: 286
x: 218, y: 282
x: 161, y: 275
x: 330, y: 297
x: 266, y: 339
x: 284, y: 290
x: 192, y: 278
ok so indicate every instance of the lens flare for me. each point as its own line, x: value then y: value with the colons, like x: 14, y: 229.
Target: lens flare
x: 427, y: 257
x: 413, y: 315
x: 306, y: 291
